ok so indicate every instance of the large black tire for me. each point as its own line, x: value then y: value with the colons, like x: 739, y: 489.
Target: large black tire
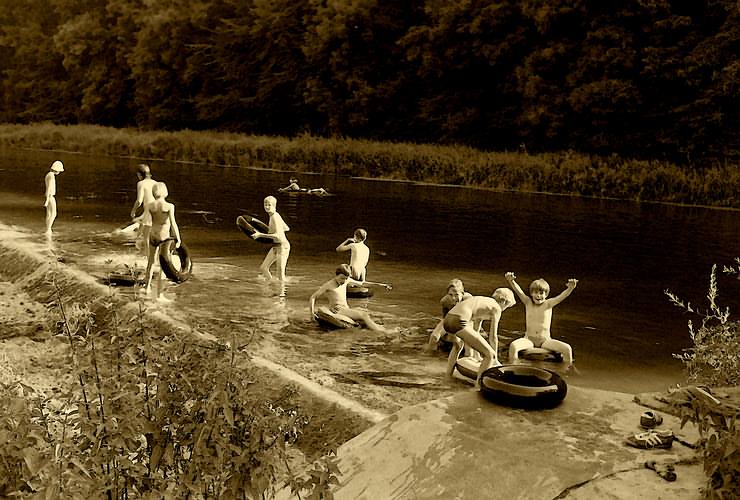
x: 523, y: 386
x: 168, y: 266
x: 250, y: 225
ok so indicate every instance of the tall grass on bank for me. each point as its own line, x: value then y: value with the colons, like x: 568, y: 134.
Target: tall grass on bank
x: 563, y: 173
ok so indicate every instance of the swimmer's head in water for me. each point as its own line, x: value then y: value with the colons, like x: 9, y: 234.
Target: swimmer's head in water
x: 505, y: 297
x: 539, y: 290
x: 360, y: 234
x: 57, y: 166
x: 143, y: 170
x: 343, y: 270
x: 159, y: 190
x: 293, y: 179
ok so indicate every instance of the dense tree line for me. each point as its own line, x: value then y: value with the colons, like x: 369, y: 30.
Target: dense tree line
x: 642, y: 78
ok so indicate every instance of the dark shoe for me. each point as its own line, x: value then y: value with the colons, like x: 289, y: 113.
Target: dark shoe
x: 651, y: 439
x: 650, y: 419
x: 667, y: 471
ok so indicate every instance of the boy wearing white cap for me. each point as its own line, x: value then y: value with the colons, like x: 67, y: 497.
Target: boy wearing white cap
x: 50, y: 201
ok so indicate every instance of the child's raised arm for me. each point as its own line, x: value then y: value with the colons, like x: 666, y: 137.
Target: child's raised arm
x: 511, y: 279
x: 570, y: 286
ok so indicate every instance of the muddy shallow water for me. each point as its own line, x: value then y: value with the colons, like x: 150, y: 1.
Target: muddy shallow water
x: 622, y: 328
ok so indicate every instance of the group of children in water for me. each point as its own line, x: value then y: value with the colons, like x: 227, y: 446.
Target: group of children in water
x: 463, y: 313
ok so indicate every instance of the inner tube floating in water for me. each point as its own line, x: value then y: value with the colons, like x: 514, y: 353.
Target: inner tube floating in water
x: 359, y: 292
x: 541, y: 354
x: 250, y: 225
x: 333, y: 321
x: 523, y: 386
x: 175, y: 272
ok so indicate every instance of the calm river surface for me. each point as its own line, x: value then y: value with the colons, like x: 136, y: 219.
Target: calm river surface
x: 620, y: 323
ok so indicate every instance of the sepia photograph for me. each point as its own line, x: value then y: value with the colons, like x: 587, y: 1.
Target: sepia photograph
x: 369, y: 249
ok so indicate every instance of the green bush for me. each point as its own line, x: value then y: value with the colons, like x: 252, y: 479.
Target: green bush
x: 154, y: 416
x: 714, y: 360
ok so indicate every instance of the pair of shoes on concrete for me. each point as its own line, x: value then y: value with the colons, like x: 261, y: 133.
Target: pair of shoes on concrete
x: 667, y: 471
x: 651, y: 439
x: 650, y: 419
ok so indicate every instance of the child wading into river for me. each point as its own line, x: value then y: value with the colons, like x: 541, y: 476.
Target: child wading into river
x: 163, y: 225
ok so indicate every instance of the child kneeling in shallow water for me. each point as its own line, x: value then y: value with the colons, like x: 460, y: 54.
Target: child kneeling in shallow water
x: 455, y: 293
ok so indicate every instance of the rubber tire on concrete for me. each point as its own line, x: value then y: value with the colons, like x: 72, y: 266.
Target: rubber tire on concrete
x: 523, y: 386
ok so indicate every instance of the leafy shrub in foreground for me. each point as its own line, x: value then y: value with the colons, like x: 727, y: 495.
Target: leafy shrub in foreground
x: 154, y: 416
x: 714, y: 360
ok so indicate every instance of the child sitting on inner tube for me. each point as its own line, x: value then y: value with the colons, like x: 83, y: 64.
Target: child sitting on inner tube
x: 538, y: 315
x: 455, y: 293
x: 336, y: 292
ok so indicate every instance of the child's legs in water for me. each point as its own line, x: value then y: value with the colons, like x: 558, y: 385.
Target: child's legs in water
x: 457, y: 345
x: 51, y: 213
x: 477, y: 342
x: 281, y: 257
x: 360, y: 316
x: 269, y: 259
x: 151, y: 259
x: 561, y: 347
x: 517, y: 346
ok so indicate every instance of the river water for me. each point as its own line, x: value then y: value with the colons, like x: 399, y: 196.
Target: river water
x: 619, y: 321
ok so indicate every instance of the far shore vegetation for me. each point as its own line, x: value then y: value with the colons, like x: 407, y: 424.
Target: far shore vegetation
x: 564, y: 172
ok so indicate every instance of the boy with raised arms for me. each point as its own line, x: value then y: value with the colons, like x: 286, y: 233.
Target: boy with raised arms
x: 538, y: 317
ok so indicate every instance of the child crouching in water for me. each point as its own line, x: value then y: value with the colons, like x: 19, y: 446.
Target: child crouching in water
x: 455, y: 293
x: 538, y: 311
x: 464, y: 320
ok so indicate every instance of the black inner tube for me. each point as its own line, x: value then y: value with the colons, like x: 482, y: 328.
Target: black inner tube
x: 168, y: 266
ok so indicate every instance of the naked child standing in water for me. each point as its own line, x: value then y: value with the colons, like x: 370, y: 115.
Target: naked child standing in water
x: 50, y: 201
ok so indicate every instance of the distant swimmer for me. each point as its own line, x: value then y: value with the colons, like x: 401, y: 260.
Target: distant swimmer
x: 293, y: 187
x: 359, y: 253
x: 50, y: 201
x: 335, y: 291
x: 143, y: 198
x: 538, y: 315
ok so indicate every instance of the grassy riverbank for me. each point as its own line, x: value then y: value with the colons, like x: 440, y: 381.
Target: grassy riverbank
x: 563, y: 173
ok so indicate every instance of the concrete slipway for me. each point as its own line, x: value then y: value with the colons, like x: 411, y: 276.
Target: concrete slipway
x: 466, y: 447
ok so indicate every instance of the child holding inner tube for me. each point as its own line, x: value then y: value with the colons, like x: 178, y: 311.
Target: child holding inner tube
x: 163, y: 224
x: 280, y: 251
x: 538, y: 317
x: 463, y: 321
x: 336, y: 292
